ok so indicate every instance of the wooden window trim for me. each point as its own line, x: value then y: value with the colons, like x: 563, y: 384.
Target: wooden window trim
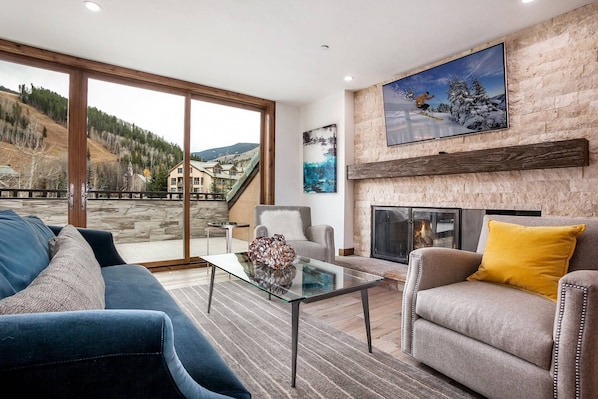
x: 80, y: 67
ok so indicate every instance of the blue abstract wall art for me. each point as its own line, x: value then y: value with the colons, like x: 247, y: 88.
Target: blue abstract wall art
x: 319, y: 160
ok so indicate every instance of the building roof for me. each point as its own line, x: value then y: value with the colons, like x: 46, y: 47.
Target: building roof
x: 208, y: 168
x: 228, y: 167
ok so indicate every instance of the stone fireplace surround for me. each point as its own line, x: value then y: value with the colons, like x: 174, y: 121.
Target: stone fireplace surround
x: 551, y: 88
x: 393, y: 239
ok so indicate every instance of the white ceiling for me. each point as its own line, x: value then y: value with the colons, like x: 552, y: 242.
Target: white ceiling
x: 271, y: 48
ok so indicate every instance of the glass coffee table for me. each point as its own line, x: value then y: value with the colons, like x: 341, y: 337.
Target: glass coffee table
x: 305, y: 280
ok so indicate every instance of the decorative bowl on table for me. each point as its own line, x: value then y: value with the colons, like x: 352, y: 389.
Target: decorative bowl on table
x: 272, y: 252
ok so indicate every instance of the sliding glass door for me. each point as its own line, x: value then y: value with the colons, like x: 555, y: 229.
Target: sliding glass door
x: 106, y: 147
x: 135, y: 138
x: 224, y: 161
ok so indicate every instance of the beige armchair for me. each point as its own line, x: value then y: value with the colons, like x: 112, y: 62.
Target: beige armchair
x: 294, y: 222
x: 500, y: 341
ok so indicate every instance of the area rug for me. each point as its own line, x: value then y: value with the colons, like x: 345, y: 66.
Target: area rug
x: 253, y: 335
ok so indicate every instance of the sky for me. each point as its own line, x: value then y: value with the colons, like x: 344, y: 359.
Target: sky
x: 212, y: 125
x: 486, y: 65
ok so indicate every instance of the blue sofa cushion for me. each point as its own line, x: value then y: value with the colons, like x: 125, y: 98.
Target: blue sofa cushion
x: 72, y: 280
x: 23, y: 251
x: 134, y: 287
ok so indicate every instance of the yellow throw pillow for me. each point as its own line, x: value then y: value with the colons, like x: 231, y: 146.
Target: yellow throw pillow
x: 529, y: 258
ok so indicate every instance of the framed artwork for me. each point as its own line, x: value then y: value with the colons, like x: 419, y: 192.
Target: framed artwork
x: 319, y: 160
x: 466, y: 95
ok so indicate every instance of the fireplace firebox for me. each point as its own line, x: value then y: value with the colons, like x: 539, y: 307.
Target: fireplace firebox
x: 396, y: 231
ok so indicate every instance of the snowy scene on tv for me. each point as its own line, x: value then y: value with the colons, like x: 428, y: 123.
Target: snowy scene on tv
x: 467, y: 95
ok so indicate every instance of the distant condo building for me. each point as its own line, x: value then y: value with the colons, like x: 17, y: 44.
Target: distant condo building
x: 204, y: 177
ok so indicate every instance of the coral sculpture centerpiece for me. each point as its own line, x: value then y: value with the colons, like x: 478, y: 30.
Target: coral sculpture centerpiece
x: 273, y: 252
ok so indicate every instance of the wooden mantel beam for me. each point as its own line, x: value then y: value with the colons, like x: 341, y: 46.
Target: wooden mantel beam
x: 555, y: 154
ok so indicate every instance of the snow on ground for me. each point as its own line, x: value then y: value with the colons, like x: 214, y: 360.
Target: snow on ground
x: 405, y: 122
x: 406, y: 127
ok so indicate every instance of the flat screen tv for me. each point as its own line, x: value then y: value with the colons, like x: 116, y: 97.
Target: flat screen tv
x: 463, y: 96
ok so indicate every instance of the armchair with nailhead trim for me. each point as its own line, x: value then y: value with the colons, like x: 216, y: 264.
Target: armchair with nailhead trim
x: 501, y: 341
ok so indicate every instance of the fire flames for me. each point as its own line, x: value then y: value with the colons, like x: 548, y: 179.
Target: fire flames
x: 423, y: 237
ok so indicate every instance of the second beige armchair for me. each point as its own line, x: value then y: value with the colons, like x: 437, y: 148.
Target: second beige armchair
x: 294, y: 222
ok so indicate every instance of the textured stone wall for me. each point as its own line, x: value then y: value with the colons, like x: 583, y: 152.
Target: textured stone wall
x: 552, y: 83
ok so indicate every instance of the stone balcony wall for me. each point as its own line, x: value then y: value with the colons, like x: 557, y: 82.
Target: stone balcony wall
x: 138, y: 220
x: 552, y: 85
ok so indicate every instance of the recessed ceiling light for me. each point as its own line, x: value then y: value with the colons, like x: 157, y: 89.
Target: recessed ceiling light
x: 92, y: 6
x: 526, y: 1
x: 349, y: 78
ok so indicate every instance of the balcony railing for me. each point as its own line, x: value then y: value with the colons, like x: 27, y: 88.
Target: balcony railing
x: 105, y: 194
x: 31, y: 193
x: 147, y: 226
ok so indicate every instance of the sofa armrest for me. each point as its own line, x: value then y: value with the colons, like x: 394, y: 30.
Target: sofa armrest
x: 428, y: 268
x: 102, y: 243
x: 104, y: 353
x: 323, y: 234
x: 575, y: 359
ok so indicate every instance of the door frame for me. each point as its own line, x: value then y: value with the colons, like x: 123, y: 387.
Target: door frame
x: 80, y: 70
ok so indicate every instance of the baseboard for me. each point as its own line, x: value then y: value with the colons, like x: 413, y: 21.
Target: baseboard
x: 346, y: 251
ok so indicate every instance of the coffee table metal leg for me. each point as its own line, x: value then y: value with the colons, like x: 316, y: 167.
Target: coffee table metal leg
x: 211, y: 287
x: 295, y: 338
x: 366, y: 316
x: 208, y: 240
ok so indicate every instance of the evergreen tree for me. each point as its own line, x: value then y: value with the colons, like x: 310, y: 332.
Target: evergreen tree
x: 460, y: 99
x: 214, y: 187
x: 159, y: 178
x: 444, y: 108
x: 480, y: 107
x: 471, y: 106
x: 479, y: 92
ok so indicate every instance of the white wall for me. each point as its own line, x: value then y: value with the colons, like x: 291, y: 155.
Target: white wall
x: 335, y: 209
x: 288, y: 179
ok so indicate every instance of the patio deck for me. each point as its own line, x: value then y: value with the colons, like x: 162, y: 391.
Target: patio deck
x: 154, y: 251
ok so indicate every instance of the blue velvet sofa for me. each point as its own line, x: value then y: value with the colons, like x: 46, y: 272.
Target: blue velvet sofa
x: 114, y: 332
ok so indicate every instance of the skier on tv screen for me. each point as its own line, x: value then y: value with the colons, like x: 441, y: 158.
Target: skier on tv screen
x: 420, y: 101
